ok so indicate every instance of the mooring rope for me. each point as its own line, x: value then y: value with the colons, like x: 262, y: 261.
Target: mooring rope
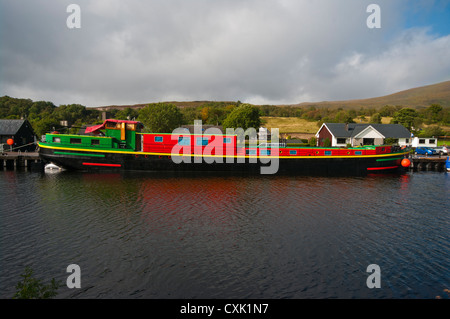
x: 17, y: 147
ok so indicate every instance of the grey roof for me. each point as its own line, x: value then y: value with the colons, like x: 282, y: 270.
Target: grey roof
x: 387, y: 130
x: 10, y: 127
x: 392, y: 130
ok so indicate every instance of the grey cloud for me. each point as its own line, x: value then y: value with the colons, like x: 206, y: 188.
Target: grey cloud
x: 263, y: 51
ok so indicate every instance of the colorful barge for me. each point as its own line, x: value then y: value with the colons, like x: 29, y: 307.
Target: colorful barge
x: 120, y: 145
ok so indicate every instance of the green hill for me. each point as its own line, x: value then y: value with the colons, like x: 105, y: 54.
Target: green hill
x: 417, y: 97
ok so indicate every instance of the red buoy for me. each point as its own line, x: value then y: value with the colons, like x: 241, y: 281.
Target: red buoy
x: 406, y: 162
x: 10, y: 141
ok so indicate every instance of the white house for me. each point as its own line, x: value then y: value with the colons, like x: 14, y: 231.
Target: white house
x: 424, y: 142
x: 354, y: 134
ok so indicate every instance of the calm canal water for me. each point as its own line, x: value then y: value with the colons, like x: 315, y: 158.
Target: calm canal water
x: 138, y: 235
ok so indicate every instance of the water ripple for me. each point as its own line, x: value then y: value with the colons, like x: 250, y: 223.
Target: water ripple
x: 153, y: 236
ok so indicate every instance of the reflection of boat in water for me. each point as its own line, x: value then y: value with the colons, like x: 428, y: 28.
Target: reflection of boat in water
x: 120, y: 145
x: 447, y: 164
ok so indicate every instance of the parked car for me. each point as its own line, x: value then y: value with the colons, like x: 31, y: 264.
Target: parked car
x: 425, y: 151
x: 443, y: 150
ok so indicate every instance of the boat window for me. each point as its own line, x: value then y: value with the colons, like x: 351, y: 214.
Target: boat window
x: 184, y: 141
x: 358, y: 153
x: 56, y: 140
x: 202, y: 141
x: 292, y: 152
x: 158, y: 139
x: 227, y: 140
x: 95, y: 142
x: 265, y: 152
x: 327, y: 152
x: 112, y: 125
x: 274, y: 145
x: 250, y: 152
x: 75, y: 141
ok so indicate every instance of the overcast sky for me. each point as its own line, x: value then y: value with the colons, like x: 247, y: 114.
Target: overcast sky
x: 255, y: 51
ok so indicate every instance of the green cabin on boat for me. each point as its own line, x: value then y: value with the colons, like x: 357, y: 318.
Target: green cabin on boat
x: 111, y: 135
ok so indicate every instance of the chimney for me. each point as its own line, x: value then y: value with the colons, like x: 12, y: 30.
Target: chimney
x: 346, y: 127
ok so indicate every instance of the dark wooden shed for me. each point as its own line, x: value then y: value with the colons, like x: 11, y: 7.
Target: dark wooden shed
x: 21, y: 132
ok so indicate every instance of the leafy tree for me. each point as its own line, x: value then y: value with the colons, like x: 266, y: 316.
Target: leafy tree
x: 217, y: 115
x: 407, y: 117
x: 388, y: 110
x: 433, y: 130
x: 376, y: 118
x: 161, y: 117
x: 446, y: 116
x: 267, y: 110
x: 32, y: 288
x: 18, y: 108
x: 205, y: 114
x: 190, y: 114
x: 312, y: 141
x: 343, y: 117
x: 432, y: 114
x: 126, y: 114
x: 44, y: 125
x: 244, y: 116
x: 71, y: 112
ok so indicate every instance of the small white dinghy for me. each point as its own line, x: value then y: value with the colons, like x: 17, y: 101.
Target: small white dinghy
x: 52, y: 167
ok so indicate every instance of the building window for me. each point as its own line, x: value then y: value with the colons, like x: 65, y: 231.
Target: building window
x: 95, y: 142
x: 422, y: 141
x: 158, y: 139
x: 202, y: 141
x: 185, y: 141
x: 327, y: 152
x: 56, y: 140
x: 407, y: 140
x: 341, y: 141
x: 75, y: 141
x: 431, y: 141
x: 292, y: 152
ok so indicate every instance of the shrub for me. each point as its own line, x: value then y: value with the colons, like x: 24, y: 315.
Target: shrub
x: 32, y: 288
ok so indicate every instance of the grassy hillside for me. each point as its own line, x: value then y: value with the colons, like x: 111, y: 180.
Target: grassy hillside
x: 422, y: 96
x: 417, y: 97
x: 290, y: 124
x: 293, y: 125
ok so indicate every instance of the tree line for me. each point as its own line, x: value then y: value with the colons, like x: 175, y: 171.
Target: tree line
x: 434, y: 116
x: 44, y: 116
